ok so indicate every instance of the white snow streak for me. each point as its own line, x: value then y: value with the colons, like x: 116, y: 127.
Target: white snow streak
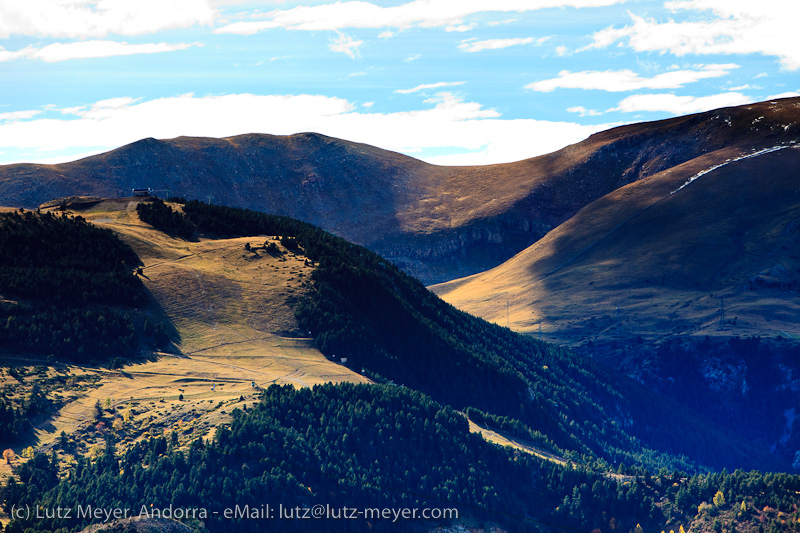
x: 715, y: 167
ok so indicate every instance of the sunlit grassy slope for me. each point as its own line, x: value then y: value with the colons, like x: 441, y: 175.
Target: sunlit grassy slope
x: 232, y: 311
x: 230, y: 341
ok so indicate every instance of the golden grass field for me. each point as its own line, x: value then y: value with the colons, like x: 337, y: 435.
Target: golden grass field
x: 502, y: 439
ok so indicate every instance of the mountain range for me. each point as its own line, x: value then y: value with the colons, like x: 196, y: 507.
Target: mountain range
x: 438, y: 223
x: 667, y: 251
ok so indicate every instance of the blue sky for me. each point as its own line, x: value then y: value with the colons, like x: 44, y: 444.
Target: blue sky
x: 446, y: 81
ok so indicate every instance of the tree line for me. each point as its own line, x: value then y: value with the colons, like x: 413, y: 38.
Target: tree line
x: 65, y: 259
x: 72, y: 282
x: 342, y: 445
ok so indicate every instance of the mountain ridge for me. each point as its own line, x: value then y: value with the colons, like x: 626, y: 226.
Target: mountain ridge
x: 438, y: 223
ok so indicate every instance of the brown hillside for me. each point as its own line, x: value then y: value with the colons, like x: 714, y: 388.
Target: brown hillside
x: 664, y: 255
x: 437, y: 222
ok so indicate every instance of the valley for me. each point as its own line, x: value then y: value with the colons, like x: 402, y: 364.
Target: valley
x: 662, y: 252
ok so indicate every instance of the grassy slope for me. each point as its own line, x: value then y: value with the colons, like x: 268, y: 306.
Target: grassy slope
x: 233, y: 281
x: 234, y: 309
x: 234, y: 318
x: 664, y: 259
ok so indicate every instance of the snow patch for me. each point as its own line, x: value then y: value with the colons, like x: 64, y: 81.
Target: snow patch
x: 727, y: 162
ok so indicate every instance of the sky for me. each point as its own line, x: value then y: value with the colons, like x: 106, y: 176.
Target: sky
x: 451, y: 82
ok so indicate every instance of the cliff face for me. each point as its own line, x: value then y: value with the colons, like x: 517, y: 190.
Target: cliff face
x: 439, y: 223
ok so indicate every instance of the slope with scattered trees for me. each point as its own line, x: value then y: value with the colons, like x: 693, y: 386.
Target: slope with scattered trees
x: 384, y: 446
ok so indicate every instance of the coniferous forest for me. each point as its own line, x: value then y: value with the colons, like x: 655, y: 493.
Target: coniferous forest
x: 44, y: 256
x: 379, y: 446
x: 69, y: 286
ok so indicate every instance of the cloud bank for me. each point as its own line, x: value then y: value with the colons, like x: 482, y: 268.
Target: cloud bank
x: 627, y: 80
x: 449, y: 124
x: 56, y: 52
x: 764, y: 27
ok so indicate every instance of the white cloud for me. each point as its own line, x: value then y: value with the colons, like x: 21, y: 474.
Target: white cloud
x: 411, y: 59
x: 418, y: 13
x: 465, y: 110
x: 461, y: 27
x: 745, y: 87
x: 789, y: 94
x: 499, y: 22
x: 102, y: 109
x: 680, y: 105
x: 18, y: 115
x: 561, y: 51
x: 447, y: 122
x: 88, y: 49
x: 346, y: 45
x: 386, y: 34
x: 732, y: 27
x: 496, y: 44
x: 582, y: 111
x: 425, y: 86
x: 627, y: 80
x: 9, y: 55
x: 98, y: 18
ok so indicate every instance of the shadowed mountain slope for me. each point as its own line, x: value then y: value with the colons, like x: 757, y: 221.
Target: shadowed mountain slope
x: 437, y: 223
x: 664, y: 250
